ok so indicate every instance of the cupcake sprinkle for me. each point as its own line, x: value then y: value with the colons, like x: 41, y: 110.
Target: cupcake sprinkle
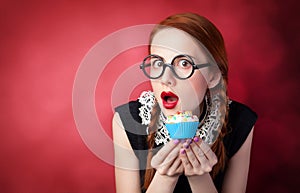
x: 182, y: 116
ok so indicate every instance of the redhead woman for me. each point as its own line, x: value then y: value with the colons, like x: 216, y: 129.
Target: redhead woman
x: 188, y: 70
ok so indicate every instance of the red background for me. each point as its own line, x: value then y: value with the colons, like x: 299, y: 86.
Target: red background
x: 43, y: 43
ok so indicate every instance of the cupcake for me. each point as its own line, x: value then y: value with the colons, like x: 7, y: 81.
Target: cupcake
x: 182, y: 125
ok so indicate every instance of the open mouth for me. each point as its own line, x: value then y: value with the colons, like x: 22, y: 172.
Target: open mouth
x: 169, y: 100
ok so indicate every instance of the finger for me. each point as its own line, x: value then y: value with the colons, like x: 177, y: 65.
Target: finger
x: 194, y: 161
x: 197, y: 150
x: 172, y: 156
x: 211, y: 156
x: 164, y: 152
x: 187, y: 143
x: 170, y: 165
x: 197, y: 141
x: 174, y: 167
x: 184, y: 160
x: 164, y: 167
x: 180, y: 168
x: 205, y: 164
x: 205, y: 148
x: 203, y: 161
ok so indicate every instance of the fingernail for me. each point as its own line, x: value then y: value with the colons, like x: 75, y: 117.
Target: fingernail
x: 182, y: 141
x: 189, y: 141
x: 186, y: 146
x: 196, y: 139
x: 176, y: 141
x: 182, y: 151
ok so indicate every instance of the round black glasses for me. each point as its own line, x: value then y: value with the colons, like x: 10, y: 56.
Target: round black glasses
x: 182, y: 66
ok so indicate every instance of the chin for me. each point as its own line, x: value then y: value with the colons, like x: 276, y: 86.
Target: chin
x: 169, y: 111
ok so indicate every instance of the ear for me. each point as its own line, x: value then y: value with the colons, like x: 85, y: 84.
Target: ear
x: 214, y: 78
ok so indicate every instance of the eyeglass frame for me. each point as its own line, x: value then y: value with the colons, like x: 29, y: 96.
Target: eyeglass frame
x: 171, y: 66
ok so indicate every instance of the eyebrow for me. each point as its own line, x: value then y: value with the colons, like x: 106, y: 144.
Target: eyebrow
x: 176, y: 56
x: 191, y: 56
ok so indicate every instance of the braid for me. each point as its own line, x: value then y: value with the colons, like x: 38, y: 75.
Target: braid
x: 152, y: 128
x: 218, y: 147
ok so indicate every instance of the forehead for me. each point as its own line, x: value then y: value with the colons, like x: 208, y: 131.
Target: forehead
x: 169, y: 42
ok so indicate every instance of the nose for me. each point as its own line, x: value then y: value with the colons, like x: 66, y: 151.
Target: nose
x: 168, y: 78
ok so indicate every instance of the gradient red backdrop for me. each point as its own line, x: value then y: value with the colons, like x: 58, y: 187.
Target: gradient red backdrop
x: 43, y: 43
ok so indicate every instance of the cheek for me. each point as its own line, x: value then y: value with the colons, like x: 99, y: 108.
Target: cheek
x: 156, y: 88
x: 193, y: 92
x: 200, y: 87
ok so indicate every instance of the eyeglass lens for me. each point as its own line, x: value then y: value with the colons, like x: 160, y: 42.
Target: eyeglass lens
x: 154, y: 66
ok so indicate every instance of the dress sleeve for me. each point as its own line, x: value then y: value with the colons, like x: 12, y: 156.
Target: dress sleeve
x: 129, y: 114
x: 241, y: 121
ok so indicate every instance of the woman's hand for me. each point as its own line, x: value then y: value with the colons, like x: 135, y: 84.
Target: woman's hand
x: 167, y: 160
x: 168, y: 167
x: 197, y: 157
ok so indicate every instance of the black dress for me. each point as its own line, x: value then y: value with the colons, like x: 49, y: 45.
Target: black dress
x: 241, y: 119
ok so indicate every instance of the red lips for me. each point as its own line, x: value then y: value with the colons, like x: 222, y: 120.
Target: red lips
x: 169, y: 100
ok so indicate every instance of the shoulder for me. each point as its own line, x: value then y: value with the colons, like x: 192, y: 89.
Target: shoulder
x: 129, y: 114
x: 132, y: 123
x: 130, y: 109
x: 241, y: 120
x: 241, y: 115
